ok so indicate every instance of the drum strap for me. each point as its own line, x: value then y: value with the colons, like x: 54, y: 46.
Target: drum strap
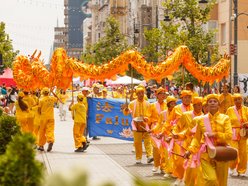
x: 207, y: 124
x: 239, y: 115
x: 158, y: 107
x: 235, y: 135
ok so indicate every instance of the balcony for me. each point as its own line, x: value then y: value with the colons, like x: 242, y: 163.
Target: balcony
x: 66, y: 22
x: 118, y: 10
x: 65, y: 2
x: 66, y: 11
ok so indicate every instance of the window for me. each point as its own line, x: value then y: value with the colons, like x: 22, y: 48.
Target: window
x: 223, y: 33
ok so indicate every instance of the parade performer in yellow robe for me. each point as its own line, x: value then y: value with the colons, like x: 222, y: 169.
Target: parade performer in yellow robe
x: 163, y: 129
x: 190, y: 86
x: 185, y: 131
x: 36, y: 114
x: 156, y: 108
x: 79, y: 116
x: 31, y: 103
x: 22, y: 112
x: 46, y: 110
x: 141, y: 113
x: 185, y: 106
x: 217, y: 127
x: 226, y: 100
x: 239, y: 119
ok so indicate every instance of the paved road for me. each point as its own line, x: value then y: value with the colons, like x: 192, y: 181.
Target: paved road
x: 106, y: 159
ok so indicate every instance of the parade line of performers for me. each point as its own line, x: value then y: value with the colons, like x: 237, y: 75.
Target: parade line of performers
x: 199, y: 141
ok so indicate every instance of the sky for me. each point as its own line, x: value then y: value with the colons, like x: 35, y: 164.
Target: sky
x: 30, y: 24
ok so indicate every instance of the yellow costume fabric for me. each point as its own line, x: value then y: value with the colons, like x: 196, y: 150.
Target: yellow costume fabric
x: 22, y: 117
x: 213, y: 172
x: 142, y: 109
x: 226, y: 101
x: 46, y: 107
x: 238, y: 142
x: 184, y: 131
x: 36, y: 117
x: 79, y: 114
x: 63, y: 98
x: 164, y: 127
x: 31, y: 102
x: 156, y: 109
x: 178, y: 161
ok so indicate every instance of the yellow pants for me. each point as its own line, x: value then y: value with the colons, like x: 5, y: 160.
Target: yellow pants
x: 167, y: 162
x: 157, y: 157
x: 138, y: 137
x: 36, y: 128
x: 30, y: 124
x: 46, y: 133
x: 178, y: 169
x: 214, y: 173
x: 23, y: 124
x: 78, y: 134
x: 241, y: 162
x: 193, y: 176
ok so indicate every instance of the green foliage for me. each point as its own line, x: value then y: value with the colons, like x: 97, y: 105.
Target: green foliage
x: 18, y: 165
x: 6, y: 47
x: 8, y: 128
x: 77, y: 178
x: 108, y: 47
x: 186, y: 27
x: 140, y: 182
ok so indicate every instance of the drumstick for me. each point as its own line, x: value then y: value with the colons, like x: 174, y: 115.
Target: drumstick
x: 177, y: 154
x: 143, y: 128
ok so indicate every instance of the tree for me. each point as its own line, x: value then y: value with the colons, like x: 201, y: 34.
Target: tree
x: 108, y: 47
x: 186, y: 27
x: 18, y: 165
x: 9, y: 127
x: 6, y: 48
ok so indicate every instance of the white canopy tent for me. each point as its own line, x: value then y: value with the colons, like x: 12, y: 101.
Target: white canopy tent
x: 124, y: 80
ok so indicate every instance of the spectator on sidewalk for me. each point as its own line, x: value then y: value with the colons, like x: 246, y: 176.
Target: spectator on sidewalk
x: 62, y: 111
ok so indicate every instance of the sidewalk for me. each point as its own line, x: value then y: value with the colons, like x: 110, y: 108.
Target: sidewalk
x: 99, y: 166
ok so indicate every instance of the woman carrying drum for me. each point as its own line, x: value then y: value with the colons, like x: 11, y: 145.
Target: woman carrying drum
x: 214, y: 127
x: 239, y: 117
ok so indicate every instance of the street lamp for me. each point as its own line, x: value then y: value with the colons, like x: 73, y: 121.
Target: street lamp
x: 235, y: 18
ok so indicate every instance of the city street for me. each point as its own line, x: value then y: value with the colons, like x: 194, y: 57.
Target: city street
x: 106, y: 159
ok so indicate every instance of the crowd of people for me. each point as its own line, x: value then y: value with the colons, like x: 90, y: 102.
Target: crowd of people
x: 177, y: 135
x: 182, y: 138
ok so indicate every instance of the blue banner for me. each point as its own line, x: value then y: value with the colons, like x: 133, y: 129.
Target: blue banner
x: 105, y: 118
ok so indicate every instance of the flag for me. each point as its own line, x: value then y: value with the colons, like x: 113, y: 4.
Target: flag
x: 105, y: 118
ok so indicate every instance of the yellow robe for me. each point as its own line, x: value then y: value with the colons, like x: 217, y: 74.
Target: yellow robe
x: 226, y: 101
x: 22, y: 117
x: 31, y: 103
x: 46, y: 108
x: 156, y: 109
x: 238, y: 142
x: 183, y: 129
x: 139, y: 109
x: 178, y: 161
x: 213, y: 172
x: 79, y: 116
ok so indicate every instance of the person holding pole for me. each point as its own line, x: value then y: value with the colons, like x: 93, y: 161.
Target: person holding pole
x: 46, y: 110
x: 79, y: 112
